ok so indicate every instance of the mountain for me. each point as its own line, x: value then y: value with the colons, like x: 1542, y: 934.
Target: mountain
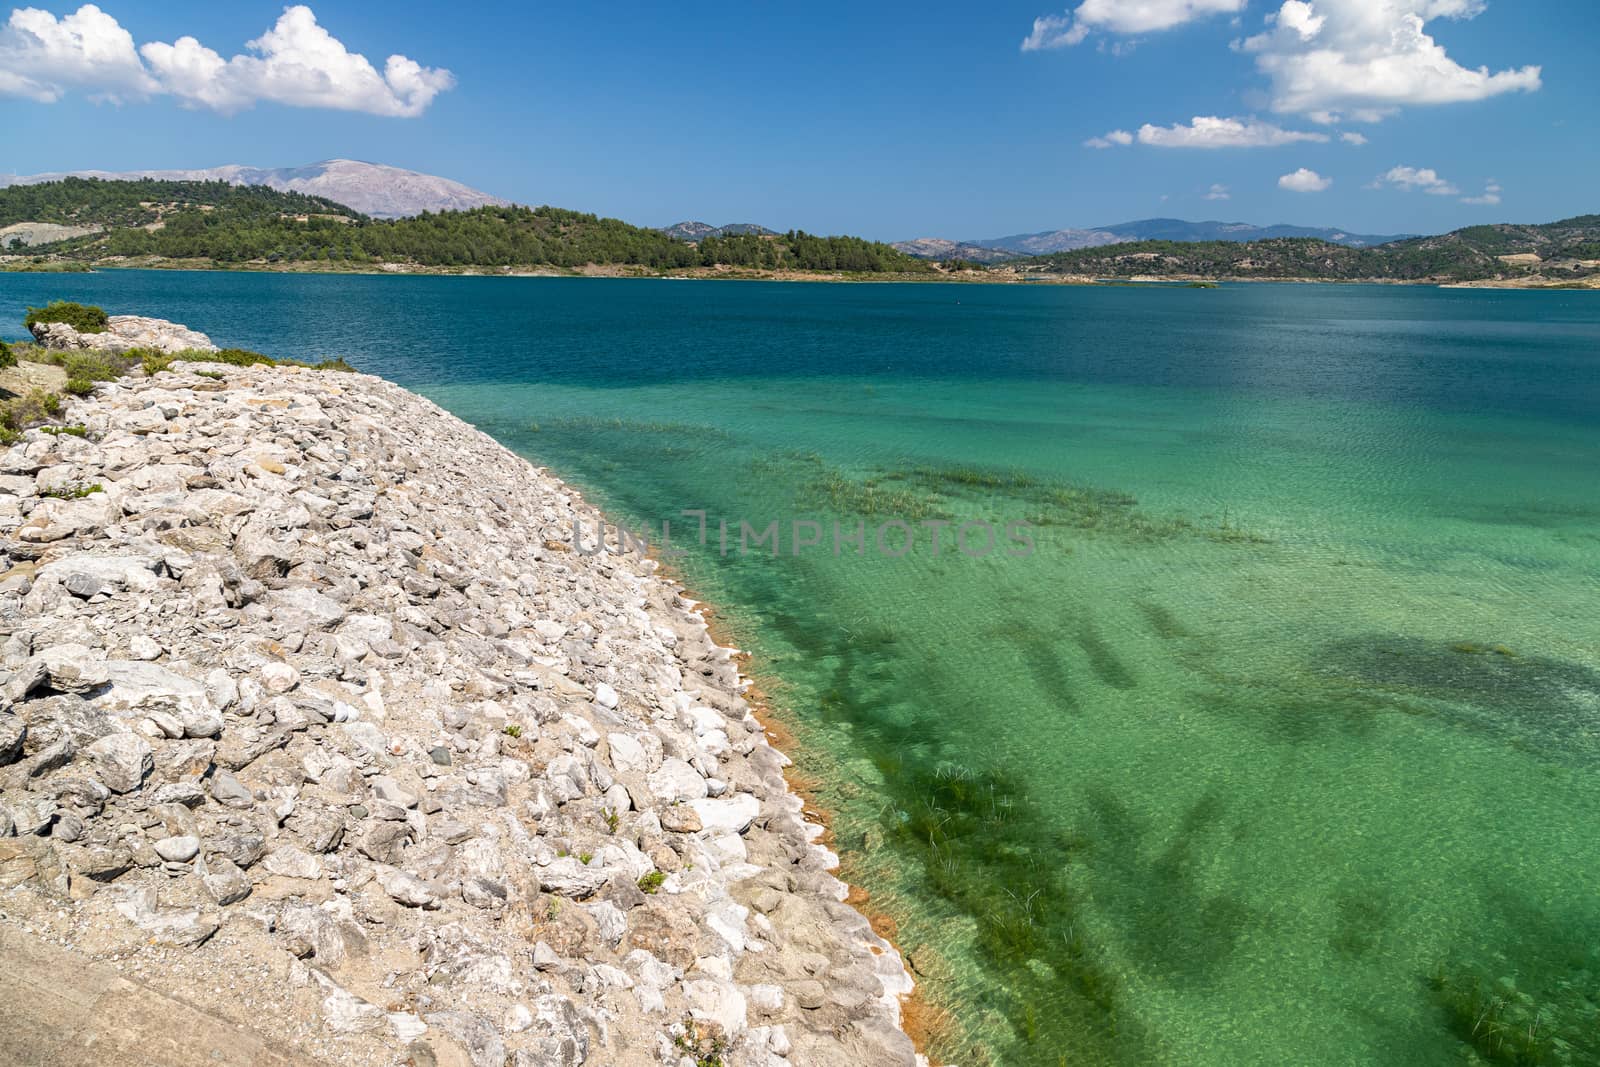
x: 1049, y: 241
x: 937, y: 248
x: 699, y: 231
x: 1178, y: 230
x: 1558, y: 252
x: 371, y: 188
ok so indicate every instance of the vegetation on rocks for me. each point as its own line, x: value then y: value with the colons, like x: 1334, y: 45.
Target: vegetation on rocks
x: 85, y: 318
x: 22, y: 412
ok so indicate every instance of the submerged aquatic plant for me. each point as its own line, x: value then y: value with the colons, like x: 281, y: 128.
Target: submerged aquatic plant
x: 1508, y: 1026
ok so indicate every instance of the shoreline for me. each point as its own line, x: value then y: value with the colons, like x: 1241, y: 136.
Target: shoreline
x: 918, y: 1014
x: 993, y: 277
x: 460, y: 741
x: 783, y: 739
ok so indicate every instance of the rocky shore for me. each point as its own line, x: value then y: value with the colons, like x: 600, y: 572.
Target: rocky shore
x: 314, y: 722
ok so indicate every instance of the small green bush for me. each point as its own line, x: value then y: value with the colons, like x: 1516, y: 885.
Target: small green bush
x: 234, y: 357
x: 652, y: 881
x: 156, y: 362
x: 19, y: 413
x: 8, y: 358
x: 72, y: 491
x: 91, y: 366
x: 75, y: 430
x: 79, y: 386
x: 85, y: 318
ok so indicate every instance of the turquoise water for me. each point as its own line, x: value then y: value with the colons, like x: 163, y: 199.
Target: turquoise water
x: 1283, y: 746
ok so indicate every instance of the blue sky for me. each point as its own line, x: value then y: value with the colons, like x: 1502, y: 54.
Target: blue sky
x: 891, y: 120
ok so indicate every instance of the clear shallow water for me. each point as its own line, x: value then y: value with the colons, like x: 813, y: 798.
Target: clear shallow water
x: 1284, y: 747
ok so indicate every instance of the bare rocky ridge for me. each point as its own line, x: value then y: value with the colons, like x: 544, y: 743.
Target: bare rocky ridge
x: 313, y: 719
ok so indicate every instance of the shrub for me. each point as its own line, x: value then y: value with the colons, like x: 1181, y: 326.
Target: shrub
x: 235, y: 357
x: 652, y: 881
x: 91, y: 366
x: 19, y: 413
x: 85, y: 318
x: 72, y: 491
x: 8, y: 358
x: 79, y: 386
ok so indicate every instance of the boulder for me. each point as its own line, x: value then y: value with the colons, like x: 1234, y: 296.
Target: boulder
x: 122, y: 761
x: 124, y: 333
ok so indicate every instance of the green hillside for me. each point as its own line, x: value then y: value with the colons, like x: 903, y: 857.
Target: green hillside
x: 233, y: 225
x: 1566, y: 249
x: 94, y: 202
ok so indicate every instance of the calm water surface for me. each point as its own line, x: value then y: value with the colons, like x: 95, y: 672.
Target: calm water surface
x: 1282, y: 748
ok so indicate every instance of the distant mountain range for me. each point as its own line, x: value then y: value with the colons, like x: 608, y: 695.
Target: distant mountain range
x: 1048, y: 241
x: 699, y: 231
x: 370, y: 188
x: 937, y: 248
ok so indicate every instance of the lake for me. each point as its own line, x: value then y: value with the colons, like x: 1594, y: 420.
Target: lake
x: 1248, y: 709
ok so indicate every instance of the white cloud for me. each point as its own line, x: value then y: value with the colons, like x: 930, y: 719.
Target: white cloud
x: 296, y: 63
x: 42, y: 57
x: 1490, y: 197
x: 1414, y: 179
x: 1361, y: 60
x: 1120, y: 16
x: 1304, y: 181
x: 1115, y: 137
x: 1353, y: 138
x: 1209, y: 131
x: 1219, y: 192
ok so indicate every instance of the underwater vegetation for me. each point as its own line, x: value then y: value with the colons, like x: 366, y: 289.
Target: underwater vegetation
x: 987, y: 852
x: 1507, y: 1025
x: 927, y: 492
x: 597, y: 424
x: 1550, y: 705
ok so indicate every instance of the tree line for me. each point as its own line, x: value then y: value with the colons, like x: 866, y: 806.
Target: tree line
x: 240, y: 224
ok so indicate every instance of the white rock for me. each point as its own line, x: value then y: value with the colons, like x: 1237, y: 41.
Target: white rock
x: 279, y: 677
x: 121, y: 761
x: 178, y: 849
x: 123, y: 333
x: 718, y: 1002
x: 734, y: 813
x: 288, y: 861
x: 407, y: 889
x: 676, y: 780
x: 627, y: 754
